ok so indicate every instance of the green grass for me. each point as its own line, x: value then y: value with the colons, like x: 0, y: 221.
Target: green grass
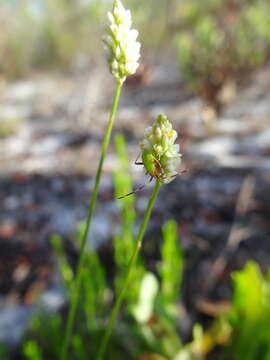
x: 9, y: 126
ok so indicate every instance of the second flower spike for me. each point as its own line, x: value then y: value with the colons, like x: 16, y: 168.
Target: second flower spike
x: 160, y: 156
x: 121, y: 43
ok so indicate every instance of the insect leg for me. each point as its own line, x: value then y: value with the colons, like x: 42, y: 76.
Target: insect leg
x: 138, y: 162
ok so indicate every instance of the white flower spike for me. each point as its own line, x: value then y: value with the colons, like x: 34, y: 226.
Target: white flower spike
x: 121, y: 43
x: 160, y: 156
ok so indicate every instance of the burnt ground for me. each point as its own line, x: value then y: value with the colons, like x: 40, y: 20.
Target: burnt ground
x: 221, y: 202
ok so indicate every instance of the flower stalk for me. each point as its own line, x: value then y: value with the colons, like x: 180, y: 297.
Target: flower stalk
x: 75, y: 293
x: 123, y: 55
x: 119, y: 300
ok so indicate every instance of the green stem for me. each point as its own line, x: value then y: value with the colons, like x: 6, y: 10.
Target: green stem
x: 78, y: 279
x: 121, y: 295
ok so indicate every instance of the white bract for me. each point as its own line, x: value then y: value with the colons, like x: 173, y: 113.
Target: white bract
x: 159, y: 148
x: 121, y: 43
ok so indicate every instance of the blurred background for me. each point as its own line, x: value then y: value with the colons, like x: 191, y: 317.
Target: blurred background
x: 206, y: 64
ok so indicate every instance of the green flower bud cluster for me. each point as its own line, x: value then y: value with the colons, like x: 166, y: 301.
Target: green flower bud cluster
x: 159, y: 140
x: 123, y: 49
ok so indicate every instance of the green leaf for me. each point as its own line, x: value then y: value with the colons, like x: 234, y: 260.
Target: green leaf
x: 172, y: 261
x: 250, y: 291
x: 94, y: 289
x: 31, y: 351
x: 251, y: 314
x: 65, y: 268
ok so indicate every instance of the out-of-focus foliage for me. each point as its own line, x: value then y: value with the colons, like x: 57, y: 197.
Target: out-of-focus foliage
x: 3, y: 353
x: 149, y: 324
x: 9, y: 126
x: 172, y: 263
x: 150, y: 18
x: 37, y: 34
x: 250, y: 317
x: 43, y: 33
x: 32, y: 351
x: 244, y: 332
x: 220, y: 41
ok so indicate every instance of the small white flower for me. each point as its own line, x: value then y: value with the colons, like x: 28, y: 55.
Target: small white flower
x: 159, y: 142
x: 121, y: 43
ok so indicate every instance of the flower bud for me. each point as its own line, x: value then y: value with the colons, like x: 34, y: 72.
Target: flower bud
x: 121, y: 43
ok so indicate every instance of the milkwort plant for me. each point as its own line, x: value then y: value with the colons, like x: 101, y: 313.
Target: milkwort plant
x: 160, y: 158
x: 123, y: 52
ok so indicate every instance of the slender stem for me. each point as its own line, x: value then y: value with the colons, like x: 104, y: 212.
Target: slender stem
x: 121, y: 295
x: 78, y: 279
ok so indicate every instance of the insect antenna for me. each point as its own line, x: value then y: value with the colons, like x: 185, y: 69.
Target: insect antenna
x: 141, y: 187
